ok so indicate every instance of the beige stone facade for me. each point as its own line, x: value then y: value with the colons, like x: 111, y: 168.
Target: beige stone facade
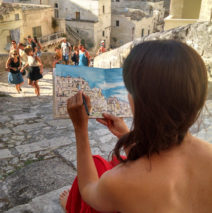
x: 17, y: 21
x: 135, y: 19
x: 91, y: 20
x: 183, y: 12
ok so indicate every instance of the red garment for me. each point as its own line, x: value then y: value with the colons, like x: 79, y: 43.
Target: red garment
x: 75, y: 204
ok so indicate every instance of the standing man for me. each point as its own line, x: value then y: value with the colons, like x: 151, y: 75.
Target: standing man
x: 66, y: 51
x: 31, y: 43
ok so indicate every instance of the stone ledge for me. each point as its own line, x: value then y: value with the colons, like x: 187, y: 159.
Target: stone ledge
x: 43, y: 145
x: 48, y: 203
x: 5, y: 153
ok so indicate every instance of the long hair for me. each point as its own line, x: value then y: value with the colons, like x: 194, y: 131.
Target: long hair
x: 168, y: 82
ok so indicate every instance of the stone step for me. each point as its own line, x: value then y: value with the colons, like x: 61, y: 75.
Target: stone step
x: 47, y: 203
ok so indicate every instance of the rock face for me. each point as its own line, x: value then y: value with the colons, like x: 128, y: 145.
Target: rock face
x: 198, y: 36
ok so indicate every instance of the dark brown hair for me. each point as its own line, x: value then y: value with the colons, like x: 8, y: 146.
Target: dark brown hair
x: 168, y: 82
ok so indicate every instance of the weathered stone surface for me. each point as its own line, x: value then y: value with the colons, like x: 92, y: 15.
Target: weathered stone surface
x: 46, y: 203
x: 5, y: 153
x: 28, y: 127
x: 44, y: 145
x: 24, y: 116
x: 4, y: 131
x: 35, y: 180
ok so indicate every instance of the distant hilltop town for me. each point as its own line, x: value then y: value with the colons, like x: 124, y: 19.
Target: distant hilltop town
x: 67, y: 86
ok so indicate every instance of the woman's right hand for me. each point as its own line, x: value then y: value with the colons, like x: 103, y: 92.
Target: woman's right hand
x: 115, y: 124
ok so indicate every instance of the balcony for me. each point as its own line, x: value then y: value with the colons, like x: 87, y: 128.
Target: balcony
x: 171, y: 22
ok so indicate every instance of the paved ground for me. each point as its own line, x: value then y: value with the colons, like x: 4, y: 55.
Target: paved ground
x: 37, y: 152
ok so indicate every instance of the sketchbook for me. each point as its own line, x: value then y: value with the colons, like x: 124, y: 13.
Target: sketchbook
x: 105, y: 87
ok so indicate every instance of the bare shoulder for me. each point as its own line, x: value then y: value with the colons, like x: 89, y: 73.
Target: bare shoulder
x: 201, y: 146
x: 200, y: 151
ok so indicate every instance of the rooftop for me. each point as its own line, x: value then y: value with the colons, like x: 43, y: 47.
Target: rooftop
x: 6, y: 8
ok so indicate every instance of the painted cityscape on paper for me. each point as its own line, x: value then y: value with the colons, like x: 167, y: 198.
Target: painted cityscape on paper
x: 105, y: 88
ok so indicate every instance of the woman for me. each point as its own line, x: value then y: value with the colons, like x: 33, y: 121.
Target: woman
x: 35, y: 68
x: 84, y: 58
x: 75, y: 57
x: 13, y: 66
x: 166, y: 168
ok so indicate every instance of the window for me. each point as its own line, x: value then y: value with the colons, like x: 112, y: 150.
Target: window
x: 117, y: 23
x: 37, y: 31
x: 78, y: 16
x: 56, y: 5
x: 142, y: 32
x: 103, y: 9
x: 117, y: 0
x: 103, y: 33
x: 148, y: 32
x: 17, y: 16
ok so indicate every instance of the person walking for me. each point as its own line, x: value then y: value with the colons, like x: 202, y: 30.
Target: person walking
x: 13, y: 66
x: 66, y: 51
x: 35, y: 67
x: 23, y: 56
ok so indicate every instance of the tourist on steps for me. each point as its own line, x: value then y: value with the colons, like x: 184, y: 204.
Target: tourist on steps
x: 13, y: 66
x: 35, y: 68
x: 38, y: 47
x: 84, y: 57
x: 166, y: 169
x: 66, y: 51
x: 57, y: 57
x: 75, y: 56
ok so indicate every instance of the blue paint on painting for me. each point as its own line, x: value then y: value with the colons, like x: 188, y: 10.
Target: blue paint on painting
x: 110, y: 81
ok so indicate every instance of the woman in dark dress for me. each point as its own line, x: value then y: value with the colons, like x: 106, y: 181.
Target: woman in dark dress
x: 13, y: 66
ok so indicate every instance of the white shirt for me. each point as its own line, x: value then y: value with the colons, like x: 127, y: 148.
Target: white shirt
x: 65, y: 48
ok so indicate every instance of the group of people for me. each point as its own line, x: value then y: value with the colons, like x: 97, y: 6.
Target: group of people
x: 25, y: 58
x: 65, y: 53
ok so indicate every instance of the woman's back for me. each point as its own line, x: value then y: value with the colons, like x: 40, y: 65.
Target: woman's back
x: 178, y: 180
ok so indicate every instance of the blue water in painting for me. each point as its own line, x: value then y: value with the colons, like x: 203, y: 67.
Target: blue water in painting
x: 110, y: 81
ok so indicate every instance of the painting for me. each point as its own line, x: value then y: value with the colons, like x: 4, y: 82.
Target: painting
x: 105, y: 87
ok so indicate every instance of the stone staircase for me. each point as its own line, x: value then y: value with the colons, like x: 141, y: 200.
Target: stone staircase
x: 72, y: 35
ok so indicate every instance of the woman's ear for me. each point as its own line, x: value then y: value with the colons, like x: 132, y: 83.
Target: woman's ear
x: 131, y: 101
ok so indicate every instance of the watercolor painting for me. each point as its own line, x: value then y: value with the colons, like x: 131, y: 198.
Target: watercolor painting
x: 105, y: 87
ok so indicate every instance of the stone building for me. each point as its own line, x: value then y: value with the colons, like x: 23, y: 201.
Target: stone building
x: 17, y: 21
x: 90, y: 19
x: 134, y: 19
x: 183, y: 12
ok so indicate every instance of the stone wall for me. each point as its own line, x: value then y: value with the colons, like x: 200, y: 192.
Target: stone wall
x: 197, y: 35
x: 206, y: 10
x: 135, y: 19
x: 47, y: 59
